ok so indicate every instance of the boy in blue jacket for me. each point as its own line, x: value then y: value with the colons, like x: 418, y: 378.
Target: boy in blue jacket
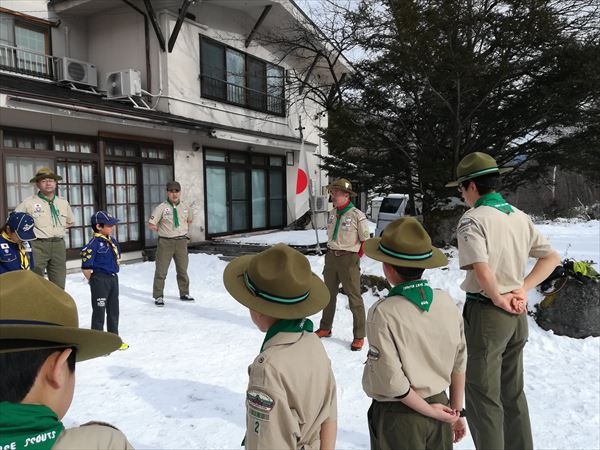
x: 100, y: 266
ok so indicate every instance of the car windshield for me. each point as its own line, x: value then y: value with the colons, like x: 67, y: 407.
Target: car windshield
x: 390, y: 205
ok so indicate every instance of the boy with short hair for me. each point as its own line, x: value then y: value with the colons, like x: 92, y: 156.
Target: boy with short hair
x: 291, y: 401
x: 40, y: 341
x: 417, y: 348
x: 100, y: 265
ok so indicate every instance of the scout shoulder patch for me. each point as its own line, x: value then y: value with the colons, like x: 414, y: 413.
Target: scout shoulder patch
x: 465, y: 224
x: 259, y: 400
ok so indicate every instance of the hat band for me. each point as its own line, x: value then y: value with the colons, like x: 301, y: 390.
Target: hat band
x: 476, y: 174
x: 270, y: 297
x: 415, y: 257
x: 26, y: 322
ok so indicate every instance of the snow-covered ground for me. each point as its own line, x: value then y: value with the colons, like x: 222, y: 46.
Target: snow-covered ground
x: 182, y: 383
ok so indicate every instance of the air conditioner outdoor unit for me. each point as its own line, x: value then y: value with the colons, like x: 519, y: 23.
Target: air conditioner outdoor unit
x: 74, y: 71
x: 320, y: 203
x: 124, y: 84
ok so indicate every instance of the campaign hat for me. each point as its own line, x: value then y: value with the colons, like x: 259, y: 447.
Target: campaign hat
x: 405, y: 243
x: 343, y: 185
x: 475, y: 165
x: 43, y: 173
x: 34, y: 310
x: 277, y: 282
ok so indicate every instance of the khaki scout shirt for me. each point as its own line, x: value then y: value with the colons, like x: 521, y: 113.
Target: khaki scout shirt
x: 44, y: 225
x: 291, y: 393
x: 411, y: 348
x: 353, y: 229
x: 504, y: 241
x: 92, y: 436
x: 162, y: 216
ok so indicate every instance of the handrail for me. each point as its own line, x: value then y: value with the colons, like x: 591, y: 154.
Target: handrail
x: 25, y: 61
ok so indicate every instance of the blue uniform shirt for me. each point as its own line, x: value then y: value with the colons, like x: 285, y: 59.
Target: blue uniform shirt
x: 10, y: 255
x: 100, y: 256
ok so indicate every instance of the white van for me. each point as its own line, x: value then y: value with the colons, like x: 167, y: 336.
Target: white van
x: 393, y: 207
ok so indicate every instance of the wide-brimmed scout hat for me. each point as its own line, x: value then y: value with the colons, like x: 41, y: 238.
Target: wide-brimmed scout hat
x: 343, y: 185
x: 475, y: 165
x: 405, y: 243
x: 22, y: 224
x: 34, y: 309
x: 277, y: 282
x: 45, y: 172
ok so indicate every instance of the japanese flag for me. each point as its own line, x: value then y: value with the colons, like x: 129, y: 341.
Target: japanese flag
x: 302, y: 190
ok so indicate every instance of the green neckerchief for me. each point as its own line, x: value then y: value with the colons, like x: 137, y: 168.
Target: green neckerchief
x: 495, y: 200
x: 111, y: 243
x: 288, y: 326
x: 53, y: 210
x: 28, y: 426
x: 22, y: 253
x: 416, y: 291
x: 339, y: 213
x: 175, y: 216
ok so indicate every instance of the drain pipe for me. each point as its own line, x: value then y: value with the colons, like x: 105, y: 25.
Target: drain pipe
x: 147, y: 41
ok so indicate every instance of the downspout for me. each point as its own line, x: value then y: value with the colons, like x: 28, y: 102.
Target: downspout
x: 147, y: 42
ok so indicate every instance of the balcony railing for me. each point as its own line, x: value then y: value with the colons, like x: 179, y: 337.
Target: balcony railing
x: 240, y: 95
x: 27, y: 62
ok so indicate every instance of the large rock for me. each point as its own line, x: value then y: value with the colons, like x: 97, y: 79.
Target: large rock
x: 572, y: 311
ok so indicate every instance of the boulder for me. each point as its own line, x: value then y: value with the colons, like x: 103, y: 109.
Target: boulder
x: 573, y: 310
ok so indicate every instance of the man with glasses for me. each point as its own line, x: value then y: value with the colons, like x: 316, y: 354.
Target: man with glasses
x: 52, y: 215
x: 495, y: 241
x: 171, y: 220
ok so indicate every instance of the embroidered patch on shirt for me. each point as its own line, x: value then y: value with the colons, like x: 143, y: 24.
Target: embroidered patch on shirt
x: 373, y: 353
x: 259, y: 400
x: 258, y: 414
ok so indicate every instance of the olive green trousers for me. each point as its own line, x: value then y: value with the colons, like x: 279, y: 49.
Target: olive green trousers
x: 395, y: 426
x: 167, y: 250
x: 344, y: 269
x: 50, y: 257
x: 497, y: 411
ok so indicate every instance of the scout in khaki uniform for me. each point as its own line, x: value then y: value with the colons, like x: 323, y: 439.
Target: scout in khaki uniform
x: 40, y: 341
x: 416, y: 348
x: 15, y: 250
x: 171, y: 220
x: 495, y: 241
x: 291, y: 400
x: 52, y: 216
x: 347, y: 229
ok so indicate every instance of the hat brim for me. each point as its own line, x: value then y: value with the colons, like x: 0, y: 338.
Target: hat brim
x: 42, y: 177
x: 233, y: 279
x: 455, y: 183
x: 89, y: 343
x: 26, y: 235
x: 108, y: 222
x: 437, y: 259
x: 330, y: 187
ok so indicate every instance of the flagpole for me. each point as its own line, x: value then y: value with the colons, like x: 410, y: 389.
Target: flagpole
x: 311, y: 197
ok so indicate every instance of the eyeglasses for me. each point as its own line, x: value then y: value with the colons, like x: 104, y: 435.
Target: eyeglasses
x: 173, y: 190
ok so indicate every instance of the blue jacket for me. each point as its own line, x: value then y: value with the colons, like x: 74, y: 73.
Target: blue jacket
x: 100, y: 256
x: 10, y: 256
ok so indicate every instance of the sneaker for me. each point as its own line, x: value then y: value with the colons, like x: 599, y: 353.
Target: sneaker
x: 158, y: 301
x: 124, y: 346
x: 357, y: 344
x: 186, y: 298
x: 323, y: 333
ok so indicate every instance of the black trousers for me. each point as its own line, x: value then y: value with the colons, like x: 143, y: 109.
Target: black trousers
x: 105, y: 299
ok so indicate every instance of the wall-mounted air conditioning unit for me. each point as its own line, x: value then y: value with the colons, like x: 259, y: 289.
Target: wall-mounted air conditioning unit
x: 124, y: 84
x: 77, y: 72
x: 320, y: 203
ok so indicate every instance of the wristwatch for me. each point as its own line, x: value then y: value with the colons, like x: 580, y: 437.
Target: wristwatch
x: 463, y: 413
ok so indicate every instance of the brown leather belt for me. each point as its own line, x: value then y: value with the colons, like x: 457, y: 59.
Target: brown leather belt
x: 340, y: 252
